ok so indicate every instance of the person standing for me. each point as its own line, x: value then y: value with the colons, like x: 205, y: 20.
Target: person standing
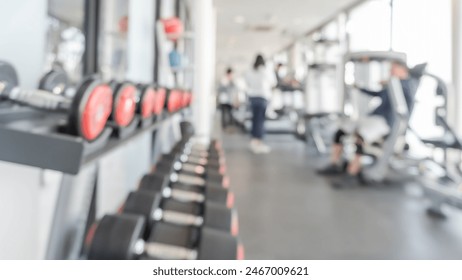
x: 226, y: 95
x: 259, y: 84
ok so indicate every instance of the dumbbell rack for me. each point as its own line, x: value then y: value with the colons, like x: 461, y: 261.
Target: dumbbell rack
x: 77, y: 160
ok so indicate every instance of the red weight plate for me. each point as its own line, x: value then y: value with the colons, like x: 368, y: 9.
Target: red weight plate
x: 179, y: 103
x: 174, y: 101
x: 234, y: 224
x: 159, y: 101
x: 173, y: 26
x: 148, y: 103
x: 240, y: 252
x: 225, y: 182
x: 184, y: 99
x: 96, y: 112
x: 125, y: 105
x: 188, y: 97
x: 90, y: 234
x: 178, y: 100
x: 230, y: 198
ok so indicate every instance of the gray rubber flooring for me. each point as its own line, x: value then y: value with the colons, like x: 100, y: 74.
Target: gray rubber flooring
x: 287, y: 211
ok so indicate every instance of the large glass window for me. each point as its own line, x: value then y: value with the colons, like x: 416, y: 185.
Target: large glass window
x: 422, y: 29
x: 369, y: 26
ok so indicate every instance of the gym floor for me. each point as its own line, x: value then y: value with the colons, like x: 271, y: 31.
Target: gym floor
x: 287, y: 211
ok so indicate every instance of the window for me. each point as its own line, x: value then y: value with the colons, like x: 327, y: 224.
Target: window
x: 369, y: 26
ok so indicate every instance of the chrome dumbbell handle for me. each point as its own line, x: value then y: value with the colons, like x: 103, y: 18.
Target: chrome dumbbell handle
x: 177, y: 218
x: 198, y: 169
x: 187, y: 179
x: 184, y: 196
x: 169, y: 252
x: 39, y: 99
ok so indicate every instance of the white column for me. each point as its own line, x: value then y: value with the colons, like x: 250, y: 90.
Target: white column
x: 457, y: 61
x: 204, y: 68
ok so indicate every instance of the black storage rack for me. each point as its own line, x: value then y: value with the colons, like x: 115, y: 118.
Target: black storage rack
x: 27, y: 139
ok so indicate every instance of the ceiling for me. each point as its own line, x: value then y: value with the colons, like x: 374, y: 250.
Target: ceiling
x: 69, y: 11
x: 248, y: 27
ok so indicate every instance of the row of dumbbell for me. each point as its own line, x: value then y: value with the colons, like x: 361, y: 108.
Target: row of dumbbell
x: 175, y: 214
x: 93, y: 105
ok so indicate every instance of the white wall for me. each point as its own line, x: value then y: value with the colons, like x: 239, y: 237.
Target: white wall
x: 24, y: 190
x: 23, y: 34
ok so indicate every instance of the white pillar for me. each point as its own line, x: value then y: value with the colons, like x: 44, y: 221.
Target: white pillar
x: 457, y: 60
x: 204, y: 68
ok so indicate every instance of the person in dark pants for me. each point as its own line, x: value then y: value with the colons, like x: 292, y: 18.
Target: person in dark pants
x: 259, y: 82
x: 227, y: 91
x: 258, y: 105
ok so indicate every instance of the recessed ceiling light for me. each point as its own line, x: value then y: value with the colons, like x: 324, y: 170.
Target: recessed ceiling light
x: 239, y: 19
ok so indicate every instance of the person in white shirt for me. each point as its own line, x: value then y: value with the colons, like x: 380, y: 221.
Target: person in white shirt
x: 260, y: 82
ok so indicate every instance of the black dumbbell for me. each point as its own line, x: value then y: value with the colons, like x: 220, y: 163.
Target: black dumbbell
x: 166, y: 166
x: 187, y: 146
x: 199, y: 166
x: 211, y: 162
x: 207, y: 171
x: 119, y: 237
x: 154, y: 208
x: 87, y: 112
x: 55, y: 81
x: 188, y: 178
x: 186, y: 193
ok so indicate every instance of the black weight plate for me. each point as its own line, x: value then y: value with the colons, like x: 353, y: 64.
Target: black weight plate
x: 212, y: 169
x: 164, y: 167
x: 187, y: 129
x: 55, y: 81
x: 8, y: 76
x: 115, y: 237
x: 217, y: 245
x: 167, y: 97
x: 216, y: 194
x: 218, y: 216
x: 213, y: 176
x: 172, y: 156
x: 154, y: 182
x: 183, y: 207
x: 176, y: 235
x: 141, y: 91
x: 142, y: 203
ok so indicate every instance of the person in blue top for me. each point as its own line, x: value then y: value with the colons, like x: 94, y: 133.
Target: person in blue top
x: 384, y: 110
x: 400, y: 70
